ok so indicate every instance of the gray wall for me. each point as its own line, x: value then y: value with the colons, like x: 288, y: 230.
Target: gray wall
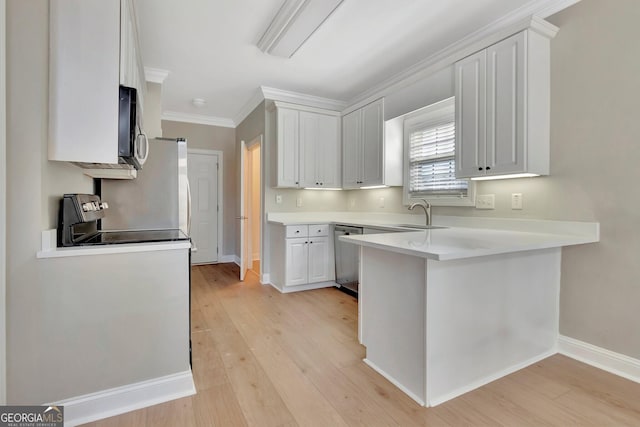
x: 215, y: 138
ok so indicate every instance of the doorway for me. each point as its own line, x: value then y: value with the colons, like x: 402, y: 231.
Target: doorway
x: 251, y: 208
x: 205, y: 181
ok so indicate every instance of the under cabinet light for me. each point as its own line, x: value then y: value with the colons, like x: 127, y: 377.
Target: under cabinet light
x: 373, y: 187
x: 294, y: 23
x: 515, y: 175
x: 328, y: 188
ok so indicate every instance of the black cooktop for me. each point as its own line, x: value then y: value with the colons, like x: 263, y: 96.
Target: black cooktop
x: 133, y: 236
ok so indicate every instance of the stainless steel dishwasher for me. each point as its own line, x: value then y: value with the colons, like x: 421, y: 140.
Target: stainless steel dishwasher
x: 347, y: 259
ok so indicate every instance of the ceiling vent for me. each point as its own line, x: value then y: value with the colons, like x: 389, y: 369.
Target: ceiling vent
x: 294, y: 23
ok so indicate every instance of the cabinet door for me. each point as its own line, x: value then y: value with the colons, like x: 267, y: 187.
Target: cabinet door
x: 329, y: 158
x: 288, y: 148
x: 319, y: 259
x: 470, y: 85
x: 310, y: 149
x: 505, y: 106
x: 351, y: 149
x: 84, y: 54
x: 373, y: 144
x: 296, y: 261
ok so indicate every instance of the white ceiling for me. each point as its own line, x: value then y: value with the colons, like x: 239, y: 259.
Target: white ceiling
x: 209, y: 46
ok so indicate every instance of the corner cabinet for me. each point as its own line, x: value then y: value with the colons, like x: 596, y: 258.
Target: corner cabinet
x: 503, y: 108
x: 301, y: 257
x: 308, y: 147
x: 367, y: 157
x: 93, y: 49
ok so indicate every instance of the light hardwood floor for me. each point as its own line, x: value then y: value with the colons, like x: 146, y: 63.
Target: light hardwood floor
x: 261, y: 358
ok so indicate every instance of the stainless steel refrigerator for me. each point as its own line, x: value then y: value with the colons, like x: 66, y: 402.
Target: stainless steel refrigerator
x: 158, y: 198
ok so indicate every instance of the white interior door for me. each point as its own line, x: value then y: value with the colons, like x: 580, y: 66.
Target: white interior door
x: 203, y: 180
x: 245, y: 254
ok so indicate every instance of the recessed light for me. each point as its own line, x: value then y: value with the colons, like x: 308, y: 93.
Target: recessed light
x: 198, y: 102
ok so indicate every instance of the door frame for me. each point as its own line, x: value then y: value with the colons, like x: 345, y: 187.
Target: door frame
x: 258, y: 140
x: 220, y: 189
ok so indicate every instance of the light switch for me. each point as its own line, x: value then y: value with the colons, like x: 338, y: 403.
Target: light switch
x: 516, y: 201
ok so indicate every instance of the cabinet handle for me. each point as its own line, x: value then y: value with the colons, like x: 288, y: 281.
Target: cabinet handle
x: 317, y: 183
x: 488, y: 167
x: 310, y: 242
x: 479, y: 169
x: 297, y: 231
x: 296, y: 182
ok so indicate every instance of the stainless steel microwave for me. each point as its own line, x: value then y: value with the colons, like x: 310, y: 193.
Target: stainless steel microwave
x: 133, y: 145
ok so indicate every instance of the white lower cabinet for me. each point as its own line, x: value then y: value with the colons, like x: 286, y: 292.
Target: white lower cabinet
x: 301, y: 257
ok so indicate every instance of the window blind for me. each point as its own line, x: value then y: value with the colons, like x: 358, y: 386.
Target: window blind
x: 432, y: 162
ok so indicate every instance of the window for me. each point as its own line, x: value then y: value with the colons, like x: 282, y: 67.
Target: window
x: 429, y: 135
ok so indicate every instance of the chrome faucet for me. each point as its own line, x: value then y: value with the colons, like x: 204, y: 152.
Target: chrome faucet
x: 427, y: 210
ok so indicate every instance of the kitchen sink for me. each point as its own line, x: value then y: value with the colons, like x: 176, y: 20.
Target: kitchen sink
x: 419, y: 227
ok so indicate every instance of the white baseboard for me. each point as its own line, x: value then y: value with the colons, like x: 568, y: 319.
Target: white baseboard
x: 115, y: 401
x: 227, y: 258
x: 236, y: 260
x: 607, y: 360
x: 310, y: 287
x: 266, y: 279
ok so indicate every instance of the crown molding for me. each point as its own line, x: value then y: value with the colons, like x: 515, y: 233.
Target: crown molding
x: 302, y: 98
x: 248, y: 107
x: 155, y: 75
x: 200, y: 119
x: 528, y: 16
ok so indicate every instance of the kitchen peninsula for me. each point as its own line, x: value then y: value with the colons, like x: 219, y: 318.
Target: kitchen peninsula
x: 444, y: 311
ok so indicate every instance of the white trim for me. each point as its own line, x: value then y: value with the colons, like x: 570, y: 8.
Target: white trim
x: 115, y: 401
x: 615, y: 363
x: 302, y: 99
x: 236, y: 260
x: 298, y: 288
x: 500, y: 29
x: 248, y: 107
x: 3, y: 206
x: 393, y: 381
x: 265, y: 279
x: 226, y: 258
x: 155, y: 75
x: 280, y: 104
x: 220, y: 154
x: 200, y: 119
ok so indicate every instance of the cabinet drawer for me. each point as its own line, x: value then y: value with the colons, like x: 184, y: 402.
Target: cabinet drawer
x: 297, y: 231
x: 319, y: 230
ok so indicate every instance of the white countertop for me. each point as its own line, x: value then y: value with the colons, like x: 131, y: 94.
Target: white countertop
x: 464, y: 237
x: 112, y: 249
x: 457, y: 243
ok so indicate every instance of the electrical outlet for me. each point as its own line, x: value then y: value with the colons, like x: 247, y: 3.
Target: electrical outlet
x: 299, y: 202
x: 279, y: 199
x: 486, y: 201
x: 352, y: 202
x: 381, y: 202
x: 516, y: 201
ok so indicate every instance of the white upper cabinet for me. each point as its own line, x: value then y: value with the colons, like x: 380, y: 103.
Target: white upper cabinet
x: 91, y: 53
x: 502, y: 108
x: 368, y: 158
x: 288, y: 147
x: 308, y: 147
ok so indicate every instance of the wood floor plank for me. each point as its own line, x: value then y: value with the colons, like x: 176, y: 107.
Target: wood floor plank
x: 262, y: 358
x: 217, y: 406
